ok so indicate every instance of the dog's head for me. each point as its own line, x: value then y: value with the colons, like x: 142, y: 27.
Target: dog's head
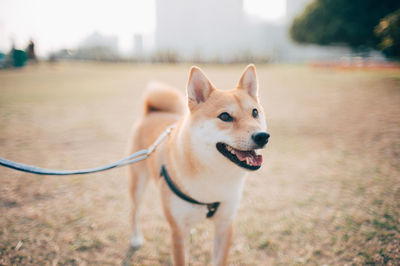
x: 227, y: 126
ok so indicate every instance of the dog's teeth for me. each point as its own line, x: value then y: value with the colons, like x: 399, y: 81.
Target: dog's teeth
x: 229, y: 148
x: 247, y: 160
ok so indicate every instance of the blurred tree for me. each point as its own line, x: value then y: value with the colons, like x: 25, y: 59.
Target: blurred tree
x: 30, y: 51
x: 328, y: 22
x: 389, y: 32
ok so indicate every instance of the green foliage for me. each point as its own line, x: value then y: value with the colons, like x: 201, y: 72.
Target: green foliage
x: 328, y: 22
x: 389, y: 32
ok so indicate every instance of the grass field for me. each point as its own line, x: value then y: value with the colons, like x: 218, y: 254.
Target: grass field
x: 328, y: 192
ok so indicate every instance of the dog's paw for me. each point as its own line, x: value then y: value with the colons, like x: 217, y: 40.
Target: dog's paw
x: 136, y: 241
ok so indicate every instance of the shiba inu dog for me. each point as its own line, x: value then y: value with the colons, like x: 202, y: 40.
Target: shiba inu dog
x: 200, y: 169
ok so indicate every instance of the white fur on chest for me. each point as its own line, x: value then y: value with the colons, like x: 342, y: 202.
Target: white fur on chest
x: 189, y: 214
x: 209, y: 187
x: 218, y: 181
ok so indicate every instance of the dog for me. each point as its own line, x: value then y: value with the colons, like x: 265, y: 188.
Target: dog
x: 200, y: 168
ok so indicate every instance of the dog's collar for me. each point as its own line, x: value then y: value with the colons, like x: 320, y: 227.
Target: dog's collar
x: 212, y: 207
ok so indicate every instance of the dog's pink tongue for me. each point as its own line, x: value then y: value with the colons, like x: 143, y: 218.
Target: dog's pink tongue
x: 254, y: 159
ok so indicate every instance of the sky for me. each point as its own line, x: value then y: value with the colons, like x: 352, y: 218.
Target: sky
x: 56, y: 24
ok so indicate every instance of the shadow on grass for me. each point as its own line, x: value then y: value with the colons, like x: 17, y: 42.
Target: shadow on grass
x: 128, y: 256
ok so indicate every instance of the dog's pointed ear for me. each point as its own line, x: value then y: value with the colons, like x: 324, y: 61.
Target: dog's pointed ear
x: 199, y: 87
x: 248, y: 81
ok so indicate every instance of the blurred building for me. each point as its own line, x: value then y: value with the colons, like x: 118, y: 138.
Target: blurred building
x: 138, y: 44
x: 96, y: 39
x: 98, y: 47
x: 208, y: 29
x: 221, y: 31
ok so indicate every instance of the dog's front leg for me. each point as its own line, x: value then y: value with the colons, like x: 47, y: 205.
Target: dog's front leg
x: 222, y: 241
x: 180, y: 245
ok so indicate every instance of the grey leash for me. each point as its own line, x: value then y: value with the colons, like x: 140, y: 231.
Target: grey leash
x: 133, y: 158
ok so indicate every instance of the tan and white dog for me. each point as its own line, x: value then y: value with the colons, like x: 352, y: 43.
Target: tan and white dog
x: 205, y: 158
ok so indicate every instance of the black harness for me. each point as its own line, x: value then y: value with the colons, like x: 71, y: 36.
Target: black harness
x: 212, y: 207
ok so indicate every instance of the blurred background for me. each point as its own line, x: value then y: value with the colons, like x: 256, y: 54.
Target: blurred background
x: 206, y: 31
x: 72, y: 74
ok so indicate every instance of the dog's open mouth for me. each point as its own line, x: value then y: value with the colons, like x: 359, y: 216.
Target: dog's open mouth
x: 246, y: 159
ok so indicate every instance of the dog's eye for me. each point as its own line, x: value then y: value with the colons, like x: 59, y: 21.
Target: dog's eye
x: 225, y: 117
x: 255, y: 113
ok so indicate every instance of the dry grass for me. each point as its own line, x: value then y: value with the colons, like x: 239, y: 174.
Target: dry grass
x: 328, y: 193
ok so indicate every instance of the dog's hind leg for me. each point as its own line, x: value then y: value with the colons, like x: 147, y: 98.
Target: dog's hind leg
x: 139, y: 180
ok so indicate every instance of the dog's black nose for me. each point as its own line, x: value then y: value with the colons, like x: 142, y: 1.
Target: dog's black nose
x: 260, y: 138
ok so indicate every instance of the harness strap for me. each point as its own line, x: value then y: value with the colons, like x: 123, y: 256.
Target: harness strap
x: 212, y: 207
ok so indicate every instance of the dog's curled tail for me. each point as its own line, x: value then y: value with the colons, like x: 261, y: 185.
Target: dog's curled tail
x: 162, y: 98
